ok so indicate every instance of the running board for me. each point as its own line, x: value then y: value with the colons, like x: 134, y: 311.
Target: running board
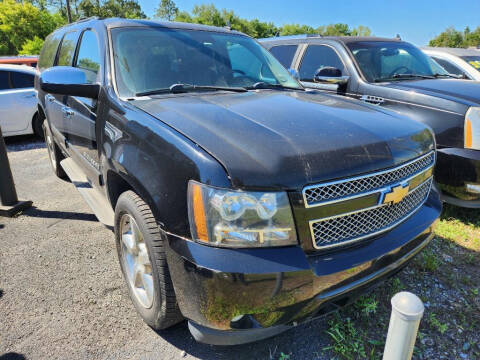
x: 97, y: 202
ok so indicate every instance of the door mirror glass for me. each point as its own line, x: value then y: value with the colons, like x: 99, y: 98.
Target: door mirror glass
x: 330, y: 75
x: 66, y: 80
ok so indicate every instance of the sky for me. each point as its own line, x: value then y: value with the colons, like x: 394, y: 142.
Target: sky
x: 416, y: 21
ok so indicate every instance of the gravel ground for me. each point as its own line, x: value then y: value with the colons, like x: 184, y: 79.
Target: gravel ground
x: 62, y: 295
x: 63, y: 292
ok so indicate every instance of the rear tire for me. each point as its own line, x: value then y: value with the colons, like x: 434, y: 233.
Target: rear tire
x: 141, y: 252
x: 37, y: 125
x: 54, y: 153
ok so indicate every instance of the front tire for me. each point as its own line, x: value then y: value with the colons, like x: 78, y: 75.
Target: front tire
x: 141, y: 252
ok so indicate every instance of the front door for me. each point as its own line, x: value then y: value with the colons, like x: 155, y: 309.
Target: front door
x: 81, y: 119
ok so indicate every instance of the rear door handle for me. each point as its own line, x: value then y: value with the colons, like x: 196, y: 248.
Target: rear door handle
x: 49, y: 98
x: 67, y: 111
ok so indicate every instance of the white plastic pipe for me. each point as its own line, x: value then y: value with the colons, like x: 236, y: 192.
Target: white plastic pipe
x: 407, y: 311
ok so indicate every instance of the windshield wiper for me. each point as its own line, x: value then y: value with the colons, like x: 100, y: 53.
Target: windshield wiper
x: 183, y: 88
x: 405, y: 76
x: 264, y: 85
x: 447, y: 75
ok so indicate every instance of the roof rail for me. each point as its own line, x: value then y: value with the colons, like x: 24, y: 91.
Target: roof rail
x: 292, y: 37
x: 82, y: 19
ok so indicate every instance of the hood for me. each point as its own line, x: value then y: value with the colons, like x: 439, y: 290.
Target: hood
x: 466, y: 92
x: 285, y: 139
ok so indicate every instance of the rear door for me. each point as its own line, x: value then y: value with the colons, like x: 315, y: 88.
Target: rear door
x: 81, y: 120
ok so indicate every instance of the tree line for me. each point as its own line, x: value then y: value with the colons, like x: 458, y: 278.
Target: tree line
x: 24, y: 24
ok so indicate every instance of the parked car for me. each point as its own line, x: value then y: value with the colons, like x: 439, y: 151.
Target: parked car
x: 239, y: 200
x: 462, y: 62
x: 397, y: 75
x: 18, y: 101
x: 28, y: 60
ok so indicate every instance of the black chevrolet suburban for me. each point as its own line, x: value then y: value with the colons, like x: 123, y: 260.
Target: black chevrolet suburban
x: 239, y: 200
x: 397, y: 75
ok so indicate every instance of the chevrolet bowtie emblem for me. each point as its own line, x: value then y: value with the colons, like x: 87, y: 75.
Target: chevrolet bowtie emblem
x: 395, y: 195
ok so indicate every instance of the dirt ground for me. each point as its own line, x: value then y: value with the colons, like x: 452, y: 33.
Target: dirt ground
x: 62, y: 295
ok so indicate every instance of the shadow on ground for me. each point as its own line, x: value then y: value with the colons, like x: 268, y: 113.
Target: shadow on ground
x: 50, y: 214
x: 12, y: 356
x: 23, y: 142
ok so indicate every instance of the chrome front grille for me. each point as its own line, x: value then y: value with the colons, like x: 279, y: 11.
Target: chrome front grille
x: 316, y: 195
x: 345, y: 228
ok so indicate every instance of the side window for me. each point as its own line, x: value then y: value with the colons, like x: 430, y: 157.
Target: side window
x: 4, y: 84
x: 21, y: 80
x: 284, y: 54
x: 49, y: 51
x: 67, y: 49
x: 448, y: 66
x: 316, y: 57
x: 88, y: 58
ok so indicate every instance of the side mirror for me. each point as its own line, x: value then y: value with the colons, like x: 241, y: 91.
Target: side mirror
x: 330, y: 75
x: 66, y: 80
x: 294, y: 73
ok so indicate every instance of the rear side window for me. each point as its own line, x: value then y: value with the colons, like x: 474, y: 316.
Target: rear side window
x: 4, y: 80
x: 49, y: 51
x: 67, y: 49
x: 284, y: 54
x: 88, y: 58
x: 21, y: 80
x: 316, y: 57
x: 451, y: 68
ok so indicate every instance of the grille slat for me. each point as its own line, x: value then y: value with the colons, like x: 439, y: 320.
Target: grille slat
x: 316, y: 195
x: 352, y: 227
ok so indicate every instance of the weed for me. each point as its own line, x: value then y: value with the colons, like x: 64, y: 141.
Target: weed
x: 284, y: 356
x: 441, y: 327
x: 430, y: 261
x: 347, y: 341
x: 367, y: 304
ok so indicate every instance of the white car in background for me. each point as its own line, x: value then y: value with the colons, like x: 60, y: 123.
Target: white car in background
x: 462, y: 62
x: 18, y: 101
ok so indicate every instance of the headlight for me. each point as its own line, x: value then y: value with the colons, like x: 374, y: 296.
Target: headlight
x: 472, y: 128
x: 228, y: 218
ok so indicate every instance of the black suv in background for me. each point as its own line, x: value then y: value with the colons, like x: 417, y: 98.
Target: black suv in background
x: 239, y: 200
x: 397, y: 75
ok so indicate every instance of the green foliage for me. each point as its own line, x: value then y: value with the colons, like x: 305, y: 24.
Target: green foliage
x: 20, y: 22
x: 210, y: 15
x: 347, y: 342
x: 129, y: 9
x: 166, y: 10
x: 454, y: 38
x: 284, y: 356
x: 441, y: 327
x: 32, y: 46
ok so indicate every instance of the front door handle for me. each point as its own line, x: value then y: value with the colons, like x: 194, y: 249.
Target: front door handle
x: 49, y: 98
x: 67, y: 111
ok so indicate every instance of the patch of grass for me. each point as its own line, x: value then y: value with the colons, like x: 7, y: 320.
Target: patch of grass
x: 367, y: 304
x: 347, y: 342
x: 429, y: 260
x: 441, y: 327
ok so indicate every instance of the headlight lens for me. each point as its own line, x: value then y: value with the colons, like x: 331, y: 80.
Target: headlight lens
x: 472, y: 128
x: 229, y: 218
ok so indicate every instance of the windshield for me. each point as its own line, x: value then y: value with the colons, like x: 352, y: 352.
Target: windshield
x: 387, y: 61
x: 474, y: 61
x: 149, y: 59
